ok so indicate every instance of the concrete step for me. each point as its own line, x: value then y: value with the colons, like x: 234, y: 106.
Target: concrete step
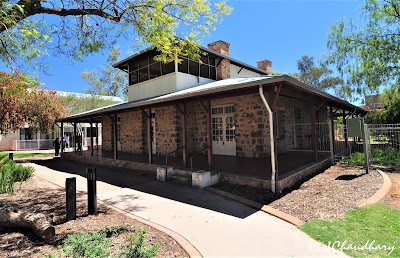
x: 182, y: 172
x: 182, y: 179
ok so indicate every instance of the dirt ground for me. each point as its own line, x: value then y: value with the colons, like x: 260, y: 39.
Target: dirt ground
x: 327, y: 195
x: 38, y: 195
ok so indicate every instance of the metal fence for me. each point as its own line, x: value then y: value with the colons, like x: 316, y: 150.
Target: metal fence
x: 302, y: 137
x: 384, y: 143
x: 41, y: 144
x: 47, y: 144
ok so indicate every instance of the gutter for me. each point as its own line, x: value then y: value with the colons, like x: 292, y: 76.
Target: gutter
x: 271, y: 138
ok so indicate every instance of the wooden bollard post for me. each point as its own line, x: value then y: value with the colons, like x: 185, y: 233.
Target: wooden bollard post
x: 70, y: 187
x: 92, y: 191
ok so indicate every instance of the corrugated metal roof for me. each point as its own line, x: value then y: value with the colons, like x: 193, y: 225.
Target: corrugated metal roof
x: 210, y: 88
x: 85, y: 95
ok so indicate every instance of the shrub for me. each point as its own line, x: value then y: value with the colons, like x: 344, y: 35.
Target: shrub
x: 389, y: 156
x: 97, y: 244
x: 357, y: 158
x: 138, y: 247
x: 10, y: 172
x: 87, y: 245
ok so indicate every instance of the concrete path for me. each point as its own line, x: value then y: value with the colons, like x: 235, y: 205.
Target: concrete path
x: 216, y: 226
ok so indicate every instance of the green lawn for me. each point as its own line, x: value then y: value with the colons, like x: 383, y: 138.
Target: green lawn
x: 371, y: 230
x: 28, y: 154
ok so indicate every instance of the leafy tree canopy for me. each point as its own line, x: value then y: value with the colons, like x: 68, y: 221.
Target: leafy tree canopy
x: 78, y: 103
x: 390, y: 112
x: 320, y: 77
x: 23, y: 102
x: 111, y: 81
x: 87, y: 26
x: 367, y: 52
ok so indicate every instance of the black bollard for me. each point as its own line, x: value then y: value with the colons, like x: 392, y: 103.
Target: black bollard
x: 11, y: 156
x: 92, y: 192
x: 70, y: 187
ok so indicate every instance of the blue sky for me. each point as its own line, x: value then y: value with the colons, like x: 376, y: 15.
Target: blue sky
x: 281, y: 31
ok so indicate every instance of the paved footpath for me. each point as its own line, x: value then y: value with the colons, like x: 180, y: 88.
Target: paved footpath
x: 216, y: 226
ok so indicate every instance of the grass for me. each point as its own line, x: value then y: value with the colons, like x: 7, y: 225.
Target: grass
x: 373, y: 231
x: 29, y: 154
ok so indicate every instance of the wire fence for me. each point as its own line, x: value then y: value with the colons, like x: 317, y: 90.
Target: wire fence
x: 384, y: 143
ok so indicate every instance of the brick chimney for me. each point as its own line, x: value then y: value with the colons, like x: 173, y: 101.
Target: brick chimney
x: 224, y: 67
x: 265, y: 65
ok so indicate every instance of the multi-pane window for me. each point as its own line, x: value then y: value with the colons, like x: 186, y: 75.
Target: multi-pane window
x: 146, y: 68
x: 205, y: 69
x: 223, y: 123
x: 119, y: 129
x: 279, y: 120
x: 217, y: 129
x: 230, y: 128
x: 217, y: 110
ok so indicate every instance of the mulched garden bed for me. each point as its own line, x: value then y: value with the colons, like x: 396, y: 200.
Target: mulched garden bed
x: 38, y: 195
x: 325, y: 196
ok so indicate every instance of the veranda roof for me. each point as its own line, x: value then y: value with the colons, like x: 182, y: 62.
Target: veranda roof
x: 213, y: 88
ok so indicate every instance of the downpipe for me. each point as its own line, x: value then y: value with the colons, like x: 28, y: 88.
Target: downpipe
x: 271, y: 139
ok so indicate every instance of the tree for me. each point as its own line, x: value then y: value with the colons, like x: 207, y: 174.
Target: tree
x: 23, y: 102
x: 320, y: 77
x: 78, y: 102
x: 88, y: 26
x: 367, y: 53
x: 111, y: 82
x: 390, y: 112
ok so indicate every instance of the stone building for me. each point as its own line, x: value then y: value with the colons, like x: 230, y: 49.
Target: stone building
x: 218, y: 115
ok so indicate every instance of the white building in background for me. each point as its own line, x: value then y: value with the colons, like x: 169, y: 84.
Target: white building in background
x: 27, y: 139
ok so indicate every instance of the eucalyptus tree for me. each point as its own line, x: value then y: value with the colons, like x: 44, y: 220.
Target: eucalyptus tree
x: 76, y: 28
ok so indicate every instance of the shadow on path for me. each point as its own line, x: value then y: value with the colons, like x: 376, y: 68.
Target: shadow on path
x: 146, y: 182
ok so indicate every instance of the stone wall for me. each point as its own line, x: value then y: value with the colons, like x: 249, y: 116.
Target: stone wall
x: 196, y: 126
x: 166, y: 129
x: 251, y: 124
x: 107, y: 130
x: 133, y: 130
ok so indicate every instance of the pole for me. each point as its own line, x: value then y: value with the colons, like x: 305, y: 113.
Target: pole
x: 70, y: 186
x: 92, y: 191
x: 331, y: 143
x: 365, y: 144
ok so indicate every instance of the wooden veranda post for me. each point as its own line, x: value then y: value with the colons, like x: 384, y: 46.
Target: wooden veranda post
x: 346, y: 138
x: 313, y: 132
x: 209, y: 134
x: 184, y: 133
x: 115, y: 136
x: 75, y: 136
x: 149, y: 136
x: 91, y: 135
x: 332, y: 127
x: 97, y: 136
x: 62, y: 137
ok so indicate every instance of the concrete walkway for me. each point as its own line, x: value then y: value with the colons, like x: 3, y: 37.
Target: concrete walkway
x: 216, y: 226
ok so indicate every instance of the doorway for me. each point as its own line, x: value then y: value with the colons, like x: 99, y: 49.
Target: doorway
x: 223, y: 130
